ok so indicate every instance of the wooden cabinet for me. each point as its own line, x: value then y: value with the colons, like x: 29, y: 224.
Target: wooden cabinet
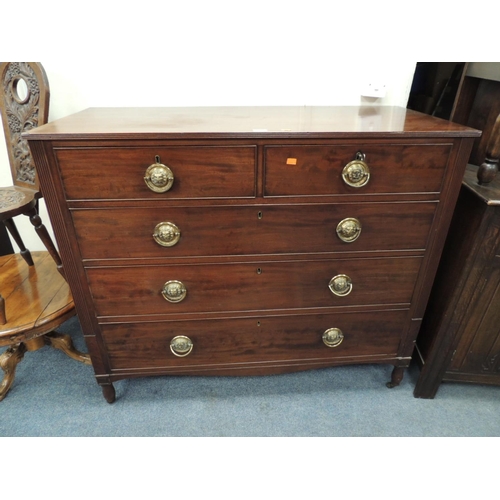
x: 460, y: 337
x: 238, y: 241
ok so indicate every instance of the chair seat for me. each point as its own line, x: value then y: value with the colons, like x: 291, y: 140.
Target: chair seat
x: 16, y: 200
x: 37, y: 298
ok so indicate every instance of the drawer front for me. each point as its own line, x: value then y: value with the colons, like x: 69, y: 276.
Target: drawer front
x: 317, y: 170
x: 118, y: 173
x: 212, y: 231
x: 250, y: 340
x: 251, y: 286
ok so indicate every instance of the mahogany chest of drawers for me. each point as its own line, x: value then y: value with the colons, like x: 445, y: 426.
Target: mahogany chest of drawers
x: 237, y: 241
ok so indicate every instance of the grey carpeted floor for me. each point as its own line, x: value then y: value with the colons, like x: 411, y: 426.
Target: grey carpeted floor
x: 55, y: 396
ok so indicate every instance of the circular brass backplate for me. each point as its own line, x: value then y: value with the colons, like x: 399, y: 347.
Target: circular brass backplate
x: 174, y: 291
x: 340, y: 285
x: 181, y: 346
x: 348, y: 230
x: 333, y: 337
x: 159, y: 178
x: 356, y: 173
x: 166, y: 234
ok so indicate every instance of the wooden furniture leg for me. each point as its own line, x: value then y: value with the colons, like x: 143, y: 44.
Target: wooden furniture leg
x: 64, y: 343
x: 14, y: 354
x: 3, y: 315
x: 108, y: 391
x: 42, y: 232
x: 396, y: 377
x: 8, y: 363
x: 25, y: 253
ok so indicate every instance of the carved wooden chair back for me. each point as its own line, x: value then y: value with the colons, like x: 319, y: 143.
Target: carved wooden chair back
x: 24, y: 104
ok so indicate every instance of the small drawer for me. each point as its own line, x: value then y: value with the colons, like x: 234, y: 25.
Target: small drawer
x: 230, y: 343
x: 318, y: 170
x: 194, y: 172
x: 252, y: 230
x: 255, y: 286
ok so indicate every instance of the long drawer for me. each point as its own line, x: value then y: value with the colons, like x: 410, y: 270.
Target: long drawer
x: 268, y: 229
x: 199, y: 288
x: 232, y: 342
x: 197, y: 172
x: 317, y: 170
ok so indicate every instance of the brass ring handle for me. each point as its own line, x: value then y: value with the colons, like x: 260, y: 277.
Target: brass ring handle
x: 158, y: 177
x: 166, y: 234
x: 181, y: 346
x: 174, y: 291
x: 340, y: 285
x: 349, y: 229
x: 356, y: 173
x: 333, y: 337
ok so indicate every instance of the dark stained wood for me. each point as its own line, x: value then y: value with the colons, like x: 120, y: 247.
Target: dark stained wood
x: 460, y: 336
x: 258, y: 245
x: 206, y: 172
x: 318, y: 170
x: 283, y: 122
x: 255, y: 229
x: 229, y: 343
x: 252, y: 286
x: 489, y: 168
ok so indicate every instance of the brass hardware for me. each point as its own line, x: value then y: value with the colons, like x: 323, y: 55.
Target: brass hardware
x: 259, y: 270
x: 340, y: 285
x: 166, y: 234
x: 259, y: 215
x: 349, y: 229
x: 333, y: 337
x: 158, y: 177
x: 174, y: 291
x: 181, y: 346
x: 356, y: 173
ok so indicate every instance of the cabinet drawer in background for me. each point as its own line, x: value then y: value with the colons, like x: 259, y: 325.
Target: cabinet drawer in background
x: 118, y: 173
x: 249, y: 340
x: 317, y: 170
x: 259, y: 229
x: 254, y: 286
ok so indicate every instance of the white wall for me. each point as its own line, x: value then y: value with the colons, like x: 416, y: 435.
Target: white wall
x: 190, y: 55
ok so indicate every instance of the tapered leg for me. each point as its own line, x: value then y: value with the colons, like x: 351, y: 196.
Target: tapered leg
x: 25, y: 253
x: 108, y: 391
x: 8, y: 363
x: 396, y: 377
x: 64, y: 343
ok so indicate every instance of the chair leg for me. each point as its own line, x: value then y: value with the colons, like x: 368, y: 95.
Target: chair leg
x: 25, y: 253
x: 8, y: 363
x: 3, y: 316
x: 65, y: 344
x: 44, y: 235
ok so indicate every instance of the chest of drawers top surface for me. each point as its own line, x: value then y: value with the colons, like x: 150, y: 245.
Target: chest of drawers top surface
x: 282, y: 238
x: 249, y: 121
